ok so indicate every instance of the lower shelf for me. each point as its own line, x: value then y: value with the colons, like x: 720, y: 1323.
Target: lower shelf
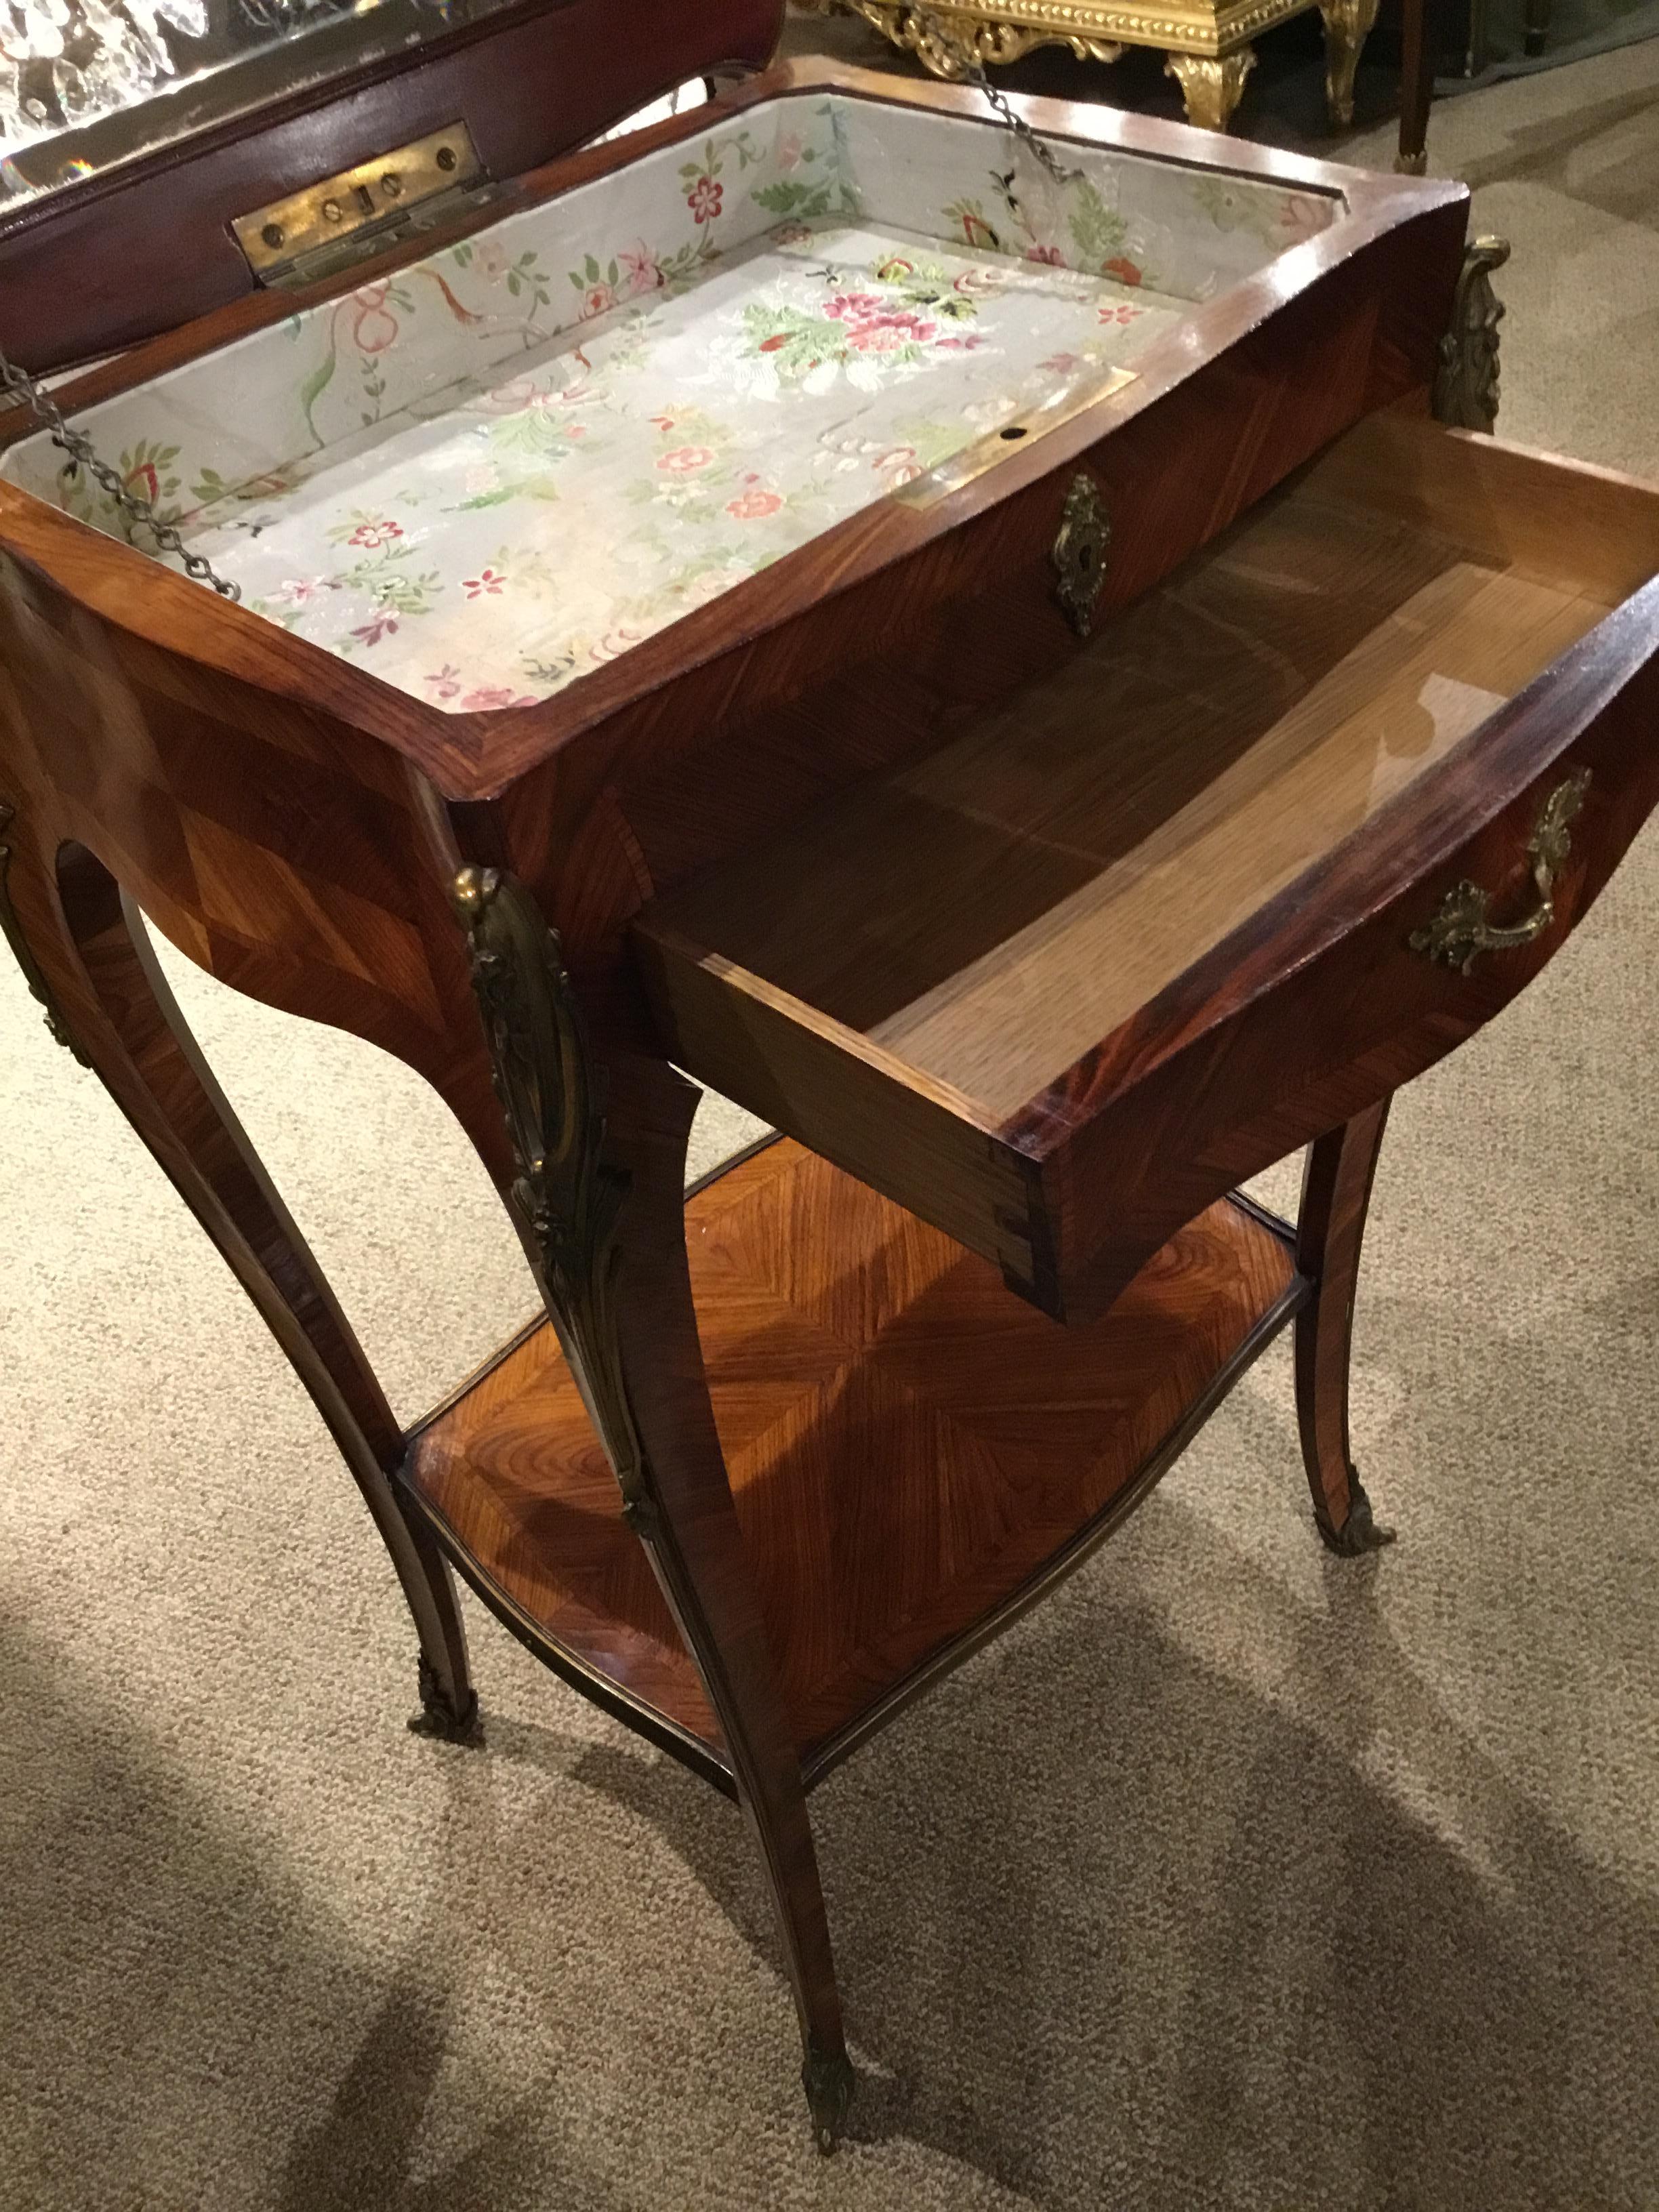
x: 914, y: 1452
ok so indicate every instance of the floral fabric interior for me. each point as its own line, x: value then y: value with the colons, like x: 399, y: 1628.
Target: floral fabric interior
x: 515, y: 461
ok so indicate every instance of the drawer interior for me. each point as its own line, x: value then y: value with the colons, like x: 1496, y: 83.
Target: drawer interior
x: 976, y: 921
x: 514, y: 461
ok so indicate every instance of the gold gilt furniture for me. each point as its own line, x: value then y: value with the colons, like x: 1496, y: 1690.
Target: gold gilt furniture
x: 981, y: 651
x: 1208, y: 45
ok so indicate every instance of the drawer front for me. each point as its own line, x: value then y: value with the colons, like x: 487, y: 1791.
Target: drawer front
x: 917, y: 1142
x: 1363, y: 973
x: 1288, y: 832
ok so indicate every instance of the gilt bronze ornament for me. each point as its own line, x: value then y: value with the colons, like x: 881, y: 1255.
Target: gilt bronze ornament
x: 567, y: 1200
x: 1466, y: 382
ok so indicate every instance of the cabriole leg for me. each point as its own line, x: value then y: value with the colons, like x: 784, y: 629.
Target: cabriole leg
x: 88, y: 957
x: 1336, y: 1193
x: 1211, y: 85
x: 1347, y: 25
x: 599, y: 1200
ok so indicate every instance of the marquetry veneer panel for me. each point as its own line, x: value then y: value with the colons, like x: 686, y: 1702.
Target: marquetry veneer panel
x: 908, y: 1443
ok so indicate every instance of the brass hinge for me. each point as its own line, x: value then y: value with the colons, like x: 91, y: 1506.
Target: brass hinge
x: 360, y: 211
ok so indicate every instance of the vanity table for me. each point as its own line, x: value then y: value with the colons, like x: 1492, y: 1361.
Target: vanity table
x: 993, y: 656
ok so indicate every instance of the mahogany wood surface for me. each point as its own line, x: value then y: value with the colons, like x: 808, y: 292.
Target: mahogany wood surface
x: 958, y: 950
x: 908, y: 1446
x: 89, y: 268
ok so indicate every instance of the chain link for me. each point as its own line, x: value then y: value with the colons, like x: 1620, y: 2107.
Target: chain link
x: 962, y: 59
x: 82, y: 455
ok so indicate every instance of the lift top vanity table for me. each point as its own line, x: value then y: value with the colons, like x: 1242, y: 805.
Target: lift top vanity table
x: 987, y: 658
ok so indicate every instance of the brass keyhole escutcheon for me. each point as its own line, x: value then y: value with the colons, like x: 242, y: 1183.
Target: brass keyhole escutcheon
x: 1079, y: 554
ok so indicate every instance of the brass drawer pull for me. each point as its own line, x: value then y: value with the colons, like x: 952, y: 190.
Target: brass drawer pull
x: 1461, y: 932
x: 1079, y: 554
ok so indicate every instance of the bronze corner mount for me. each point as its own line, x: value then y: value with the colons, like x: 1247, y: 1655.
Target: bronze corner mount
x: 567, y: 1200
x: 40, y: 990
x: 1466, y: 381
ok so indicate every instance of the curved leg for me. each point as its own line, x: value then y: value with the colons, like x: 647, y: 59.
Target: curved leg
x: 1347, y: 26
x: 93, y: 962
x: 1416, y: 91
x: 1210, y: 85
x: 1336, y: 1193
x: 599, y: 1200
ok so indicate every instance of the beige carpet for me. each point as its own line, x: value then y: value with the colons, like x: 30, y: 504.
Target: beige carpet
x: 1236, y: 1877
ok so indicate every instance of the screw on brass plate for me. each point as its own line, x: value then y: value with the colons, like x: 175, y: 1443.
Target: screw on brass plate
x: 272, y: 234
x: 446, y: 157
x: 391, y: 186
x: 331, y: 211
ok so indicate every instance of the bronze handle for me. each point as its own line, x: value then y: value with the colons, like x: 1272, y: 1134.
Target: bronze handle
x: 1462, y: 930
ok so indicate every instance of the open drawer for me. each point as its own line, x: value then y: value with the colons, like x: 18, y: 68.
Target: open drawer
x: 1280, y: 835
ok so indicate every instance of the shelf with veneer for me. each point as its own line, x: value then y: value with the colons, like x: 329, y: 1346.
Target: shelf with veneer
x: 915, y: 1454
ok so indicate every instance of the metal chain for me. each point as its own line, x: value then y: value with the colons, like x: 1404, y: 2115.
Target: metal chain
x: 962, y: 57
x: 83, y: 455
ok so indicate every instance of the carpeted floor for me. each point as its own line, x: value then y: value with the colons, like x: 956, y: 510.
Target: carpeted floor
x: 1236, y: 1877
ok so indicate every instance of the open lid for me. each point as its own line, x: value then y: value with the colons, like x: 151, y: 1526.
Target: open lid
x: 161, y: 158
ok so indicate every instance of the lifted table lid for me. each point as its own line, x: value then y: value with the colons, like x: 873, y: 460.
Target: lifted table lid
x: 121, y: 221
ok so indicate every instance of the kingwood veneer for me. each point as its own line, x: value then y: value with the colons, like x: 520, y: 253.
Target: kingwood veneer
x: 1034, y: 941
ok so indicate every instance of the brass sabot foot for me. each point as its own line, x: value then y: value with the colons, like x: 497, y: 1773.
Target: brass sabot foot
x: 438, y: 1717
x: 828, y: 2081
x: 1361, y: 1532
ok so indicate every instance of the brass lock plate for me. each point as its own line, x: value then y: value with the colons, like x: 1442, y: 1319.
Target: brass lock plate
x: 360, y: 202
x: 972, y: 461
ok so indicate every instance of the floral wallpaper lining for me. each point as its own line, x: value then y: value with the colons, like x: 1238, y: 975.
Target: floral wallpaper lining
x: 512, y: 462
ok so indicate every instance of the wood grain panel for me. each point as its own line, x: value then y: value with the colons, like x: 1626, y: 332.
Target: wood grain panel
x: 284, y: 852
x: 908, y: 1445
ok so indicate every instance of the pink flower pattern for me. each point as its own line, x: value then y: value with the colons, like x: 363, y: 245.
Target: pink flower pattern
x: 490, y: 696
x: 373, y: 326
x: 886, y: 308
